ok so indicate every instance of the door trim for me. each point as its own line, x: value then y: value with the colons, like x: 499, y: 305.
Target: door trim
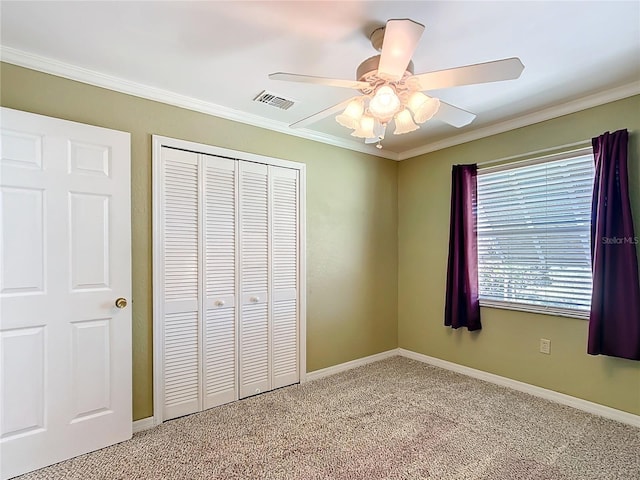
x: 158, y: 142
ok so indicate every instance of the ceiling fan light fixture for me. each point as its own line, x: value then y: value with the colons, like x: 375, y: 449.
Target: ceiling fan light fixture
x: 384, y: 104
x: 352, y: 114
x: 365, y: 127
x: 423, y: 106
x: 391, y: 89
x: 404, y: 123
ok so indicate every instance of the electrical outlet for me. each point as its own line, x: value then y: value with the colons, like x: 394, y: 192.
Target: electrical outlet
x: 545, y: 346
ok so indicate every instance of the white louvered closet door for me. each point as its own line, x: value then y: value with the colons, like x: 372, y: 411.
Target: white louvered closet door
x: 227, y: 296
x: 219, y: 335
x: 284, y: 305
x: 254, y: 279
x: 180, y: 251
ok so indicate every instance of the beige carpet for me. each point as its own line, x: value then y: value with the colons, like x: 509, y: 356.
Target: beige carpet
x: 394, y: 419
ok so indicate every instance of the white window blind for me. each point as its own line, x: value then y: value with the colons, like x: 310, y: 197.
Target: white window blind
x: 534, y: 235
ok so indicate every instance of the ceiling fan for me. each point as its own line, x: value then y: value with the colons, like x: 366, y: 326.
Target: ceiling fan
x: 390, y: 90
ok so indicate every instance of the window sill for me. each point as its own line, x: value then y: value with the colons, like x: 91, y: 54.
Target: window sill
x: 520, y: 307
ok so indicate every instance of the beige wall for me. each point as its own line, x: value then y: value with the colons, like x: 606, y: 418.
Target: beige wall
x: 351, y: 216
x: 363, y: 214
x: 508, y: 343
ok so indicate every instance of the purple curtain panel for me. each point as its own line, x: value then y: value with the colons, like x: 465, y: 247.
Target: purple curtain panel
x: 614, y: 322
x: 462, y: 306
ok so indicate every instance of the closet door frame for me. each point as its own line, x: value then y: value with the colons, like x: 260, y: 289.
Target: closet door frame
x: 158, y: 142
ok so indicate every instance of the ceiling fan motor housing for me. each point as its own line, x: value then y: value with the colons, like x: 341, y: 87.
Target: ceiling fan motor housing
x: 377, y: 38
x: 369, y: 68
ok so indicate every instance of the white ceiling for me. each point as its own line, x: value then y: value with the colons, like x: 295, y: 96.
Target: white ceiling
x: 215, y: 56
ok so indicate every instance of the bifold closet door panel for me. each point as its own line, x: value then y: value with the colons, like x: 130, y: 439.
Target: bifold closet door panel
x: 285, y: 244
x: 219, y: 343
x: 254, y: 279
x: 229, y: 272
x: 180, y: 252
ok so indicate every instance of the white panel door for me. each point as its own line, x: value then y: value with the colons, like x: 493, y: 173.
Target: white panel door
x: 220, y: 265
x: 65, y: 253
x: 254, y: 338
x: 180, y: 250
x: 285, y: 225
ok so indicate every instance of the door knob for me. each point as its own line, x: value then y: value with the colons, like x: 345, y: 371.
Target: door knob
x: 121, y: 302
x: 219, y: 303
x: 254, y: 299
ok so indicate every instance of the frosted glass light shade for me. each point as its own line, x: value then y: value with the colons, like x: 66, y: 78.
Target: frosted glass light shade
x: 416, y: 100
x: 427, y: 110
x: 351, y: 116
x: 404, y: 123
x: 384, y: 104
x: 423, y: 106
x: 365, y: 127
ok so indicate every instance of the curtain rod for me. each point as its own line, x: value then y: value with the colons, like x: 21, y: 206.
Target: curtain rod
x: 580, y: 144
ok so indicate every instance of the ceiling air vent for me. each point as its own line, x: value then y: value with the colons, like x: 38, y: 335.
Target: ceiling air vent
x: 274, y: 100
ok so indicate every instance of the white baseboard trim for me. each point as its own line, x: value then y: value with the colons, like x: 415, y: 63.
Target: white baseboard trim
x: 143, y: 424
x: 579, y: 403
x: 325, y: 372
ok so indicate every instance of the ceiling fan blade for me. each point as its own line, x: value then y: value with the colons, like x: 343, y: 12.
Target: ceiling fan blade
x: 332, y: 82
x: 453, y: 115
x: 324, y: 113
x: 506, y: 69
x: 400, y: 41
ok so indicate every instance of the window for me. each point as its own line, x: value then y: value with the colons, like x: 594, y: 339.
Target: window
x: 534, y: 234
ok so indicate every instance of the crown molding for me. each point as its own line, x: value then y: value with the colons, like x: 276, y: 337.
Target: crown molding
x: 91, y: 77
x: 594, y: 100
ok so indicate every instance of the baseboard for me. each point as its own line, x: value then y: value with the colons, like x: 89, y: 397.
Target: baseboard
x: 325, y: 372
x: 143, y: 424
x: 579, y: 403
